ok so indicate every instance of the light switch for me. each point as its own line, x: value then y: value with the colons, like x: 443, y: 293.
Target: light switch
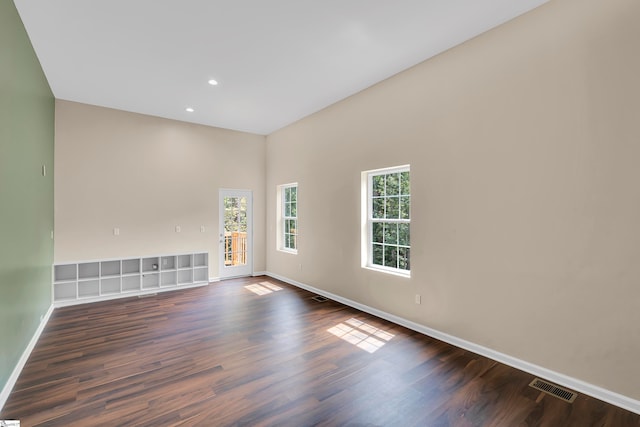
x: 116, y: 231
x: 178, y: 229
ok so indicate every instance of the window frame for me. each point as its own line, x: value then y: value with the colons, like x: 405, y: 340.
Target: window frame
x: 368, y: 220
x: 283, y: 218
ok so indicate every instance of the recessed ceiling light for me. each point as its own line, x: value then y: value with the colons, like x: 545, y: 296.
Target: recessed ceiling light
x: 189, y: 110
x: 213, y: 82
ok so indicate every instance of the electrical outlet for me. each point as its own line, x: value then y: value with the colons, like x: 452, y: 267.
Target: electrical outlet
x: 178, y: 229
x: 417, y: 298
x: 116, y: 231
x: 202, y: 228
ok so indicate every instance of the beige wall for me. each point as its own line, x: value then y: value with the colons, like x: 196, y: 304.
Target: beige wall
x: 524, y: 146
x: 147, y: 175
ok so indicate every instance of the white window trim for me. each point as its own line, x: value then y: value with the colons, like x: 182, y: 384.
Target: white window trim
x: 367, y: 225
x: 281, y: 218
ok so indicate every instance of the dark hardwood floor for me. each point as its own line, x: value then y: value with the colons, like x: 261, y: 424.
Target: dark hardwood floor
x: 268, y: 356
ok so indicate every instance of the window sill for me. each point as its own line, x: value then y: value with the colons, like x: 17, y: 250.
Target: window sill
x: 288, y: 251
x: 399, y: 273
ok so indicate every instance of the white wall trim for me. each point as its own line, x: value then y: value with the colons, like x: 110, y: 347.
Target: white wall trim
x: 539, y: 371
x: 6, y: 390
x: 259, y: 273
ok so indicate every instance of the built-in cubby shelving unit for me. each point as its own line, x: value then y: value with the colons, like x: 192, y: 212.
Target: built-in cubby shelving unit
x: 85, y: 281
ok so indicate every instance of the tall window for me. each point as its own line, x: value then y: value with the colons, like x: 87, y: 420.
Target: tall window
x: 388, y: 220
x: 289, y: 218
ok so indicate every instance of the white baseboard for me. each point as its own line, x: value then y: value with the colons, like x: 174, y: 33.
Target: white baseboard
x: 214, y: 279
x: 259, y: 273
x: 6, y: 390
x: 605, y: 395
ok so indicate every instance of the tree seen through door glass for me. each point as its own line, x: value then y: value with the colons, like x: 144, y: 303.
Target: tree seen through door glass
x: 235, y: 226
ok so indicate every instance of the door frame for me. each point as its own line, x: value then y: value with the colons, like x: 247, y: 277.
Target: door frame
x: 225, y: 272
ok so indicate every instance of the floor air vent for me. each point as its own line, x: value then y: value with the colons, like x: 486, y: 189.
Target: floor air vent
x: 320, y: 298
x: 554, y: 390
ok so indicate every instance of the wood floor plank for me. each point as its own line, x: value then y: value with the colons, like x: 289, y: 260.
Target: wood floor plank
x: 222, y: 355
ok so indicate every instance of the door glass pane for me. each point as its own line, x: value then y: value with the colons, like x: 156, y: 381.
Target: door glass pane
x: 235, y: 231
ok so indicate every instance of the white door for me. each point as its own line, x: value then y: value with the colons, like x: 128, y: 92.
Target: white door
x: 236, y: 233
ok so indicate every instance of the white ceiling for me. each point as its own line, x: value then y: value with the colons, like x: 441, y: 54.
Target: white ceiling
x: 276, y: 61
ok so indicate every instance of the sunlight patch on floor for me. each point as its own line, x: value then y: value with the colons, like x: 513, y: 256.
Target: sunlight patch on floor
x: 361, y: 334
x: 263, y: 288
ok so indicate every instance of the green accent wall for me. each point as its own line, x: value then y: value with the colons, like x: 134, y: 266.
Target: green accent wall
x: 26, y: 196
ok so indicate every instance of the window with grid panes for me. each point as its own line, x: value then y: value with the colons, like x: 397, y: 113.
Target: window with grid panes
x: 290, y: 217
x: 389, y: 220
